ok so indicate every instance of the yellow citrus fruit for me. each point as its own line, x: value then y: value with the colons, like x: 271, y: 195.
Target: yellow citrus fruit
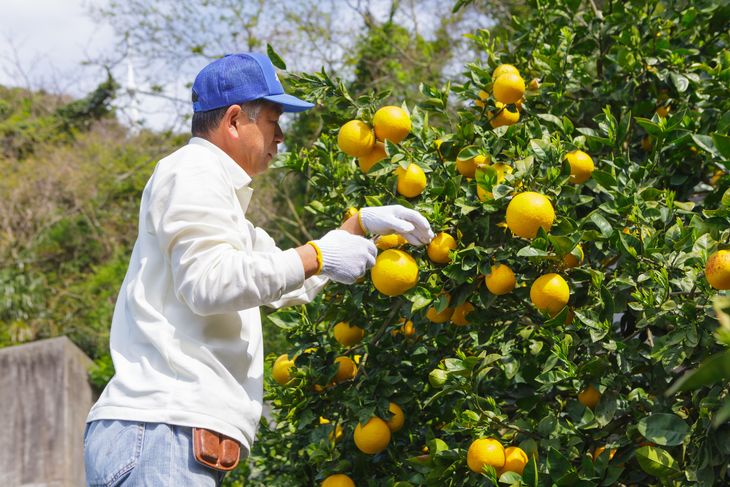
x: 500, y: 280
x: 534, y: 84
x: 395, y: 423
x: 394, y: 272
x: 601, y: 449
x: 348, y: 335
x: 550, y: 293
x: 504, y: 69
x: 406, y: 328
x: 508, y: 88
x: 355, y: 138
x: 411, y: 181
x: 338, y: 480
x: 501, y: 169
x: 351, y: 211
x: 460, y: 313
x: 346, y: 369
x: 581, y: 166
x: 515, y: 459
x: 663, y: 111
x: 392, y: 123
x: 503, y: 116
x: 468, y: 167
x: 570, y: 260
x: 717, y: 269
x: 442, y: 317
x: 529, y: 211
x: 483, y: 96
x: 438, y: 249
x: 376, y: 154
x: 335, y: 435
x: 485, y: 451
x: 373, y: 437
x: 280, y: 370
x: 646, y: 143
x: 385, y: 242
x: 589, y: 397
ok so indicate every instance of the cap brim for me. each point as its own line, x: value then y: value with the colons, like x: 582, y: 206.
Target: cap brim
x: 289, y: 103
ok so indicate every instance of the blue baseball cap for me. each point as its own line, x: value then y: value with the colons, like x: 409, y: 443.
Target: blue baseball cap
x: 238, y: 78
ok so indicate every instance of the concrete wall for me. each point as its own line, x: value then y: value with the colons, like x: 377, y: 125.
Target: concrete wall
x: 44, y: 400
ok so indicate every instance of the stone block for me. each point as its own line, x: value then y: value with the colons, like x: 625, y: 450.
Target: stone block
x: 45, y: 397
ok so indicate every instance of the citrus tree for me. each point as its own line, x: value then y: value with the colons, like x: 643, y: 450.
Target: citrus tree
x: 575, y: 176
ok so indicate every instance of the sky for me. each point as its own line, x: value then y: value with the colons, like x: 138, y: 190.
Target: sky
x: 44, y: 44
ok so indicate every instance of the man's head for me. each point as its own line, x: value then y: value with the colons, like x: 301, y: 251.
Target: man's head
x: 237, y: 101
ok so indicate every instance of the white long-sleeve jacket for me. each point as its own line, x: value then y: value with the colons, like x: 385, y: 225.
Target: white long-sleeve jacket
x: 186, y: 333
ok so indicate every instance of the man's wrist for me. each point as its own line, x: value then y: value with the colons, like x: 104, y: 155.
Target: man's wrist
x: 308, y: 255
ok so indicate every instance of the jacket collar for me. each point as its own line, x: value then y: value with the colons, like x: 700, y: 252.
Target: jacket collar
x: 240, y: 179
x: 238, y: 176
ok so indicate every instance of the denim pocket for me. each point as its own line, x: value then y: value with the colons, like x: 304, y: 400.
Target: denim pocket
x: 112, y: 449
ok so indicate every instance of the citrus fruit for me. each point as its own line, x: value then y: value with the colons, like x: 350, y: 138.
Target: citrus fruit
x: 646, y: 143
x: 376, y: 154
x: 348, y: 335
x: 503, y: 116
x: 385, y: 242
x: 504, y: 69
x: 581, y: 166
x: 335, y: 435
x: 280, y: 370
x: 597, y: 453
x: 406, y: 328
x: 442, y: 317
x: 346, y: 369
x: 392, y: 123
x: 394, y: 272
x: 508, y: 88
x: 550, y: 293
x: 460, y: 313
x: 501, y: 169
x: 373, y: 437
x: 468, y: 167
x: 663, y: 111
x: 438, y: 249
x: 589, y: 397
x: 411, y: 181
x: 482, y: 97
x: 485, y: 451
x: 534, y: 84
x: 515, y: 459
x: 355, y: 138
x: 529, y: 211
x: 570, y: 260
x: 338, y: 480
x: 717, y: 269
x: 500, y: 280
x: 395, y: 423
x: 351, y: 211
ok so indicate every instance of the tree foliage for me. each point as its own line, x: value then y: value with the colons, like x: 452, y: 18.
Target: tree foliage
x: 640, y: 310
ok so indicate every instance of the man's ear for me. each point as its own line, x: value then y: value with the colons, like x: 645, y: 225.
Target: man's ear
x: 231, y: 119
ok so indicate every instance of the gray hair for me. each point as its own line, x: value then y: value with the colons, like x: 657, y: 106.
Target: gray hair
x: 204, y: 122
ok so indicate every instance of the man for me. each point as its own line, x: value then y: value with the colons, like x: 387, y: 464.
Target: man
x: 186, y: 342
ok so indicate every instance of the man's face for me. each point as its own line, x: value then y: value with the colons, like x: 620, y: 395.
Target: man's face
x: 258, y: 140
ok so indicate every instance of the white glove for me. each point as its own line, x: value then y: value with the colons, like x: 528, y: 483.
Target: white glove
x: 384, y: 220
x: 345, y: 257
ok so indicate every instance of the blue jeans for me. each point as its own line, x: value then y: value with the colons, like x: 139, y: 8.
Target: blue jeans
x: 133, y: 454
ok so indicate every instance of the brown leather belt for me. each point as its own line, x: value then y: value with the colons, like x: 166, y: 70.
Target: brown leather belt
x: 215, y: 450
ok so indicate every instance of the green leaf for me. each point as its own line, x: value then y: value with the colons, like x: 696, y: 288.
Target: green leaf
x: 714, y: 369
x: 529, y: 475
x: 680, y: 82
x: 656, y: 461
x: 663, y: 429
x: 722, y: 144
x: 468, y: 152
x: 706, y: 142
x: 275, y: 58
x: 604, y: 179
x: 650, y: 127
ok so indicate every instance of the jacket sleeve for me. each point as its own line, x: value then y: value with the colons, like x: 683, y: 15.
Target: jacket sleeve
x: 193, y: 212
x: 302, y: 295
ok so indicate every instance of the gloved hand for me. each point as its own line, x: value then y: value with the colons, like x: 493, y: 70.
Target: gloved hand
x: 384, y: 220
x: 345, y: 257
